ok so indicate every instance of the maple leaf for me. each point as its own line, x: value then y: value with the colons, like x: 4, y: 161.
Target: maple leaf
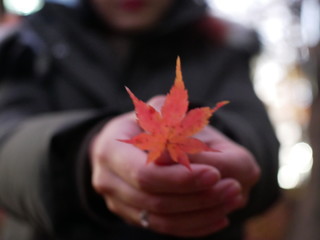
x: 171, y: 129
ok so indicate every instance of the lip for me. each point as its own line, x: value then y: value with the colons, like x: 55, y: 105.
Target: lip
x: 133, y: 5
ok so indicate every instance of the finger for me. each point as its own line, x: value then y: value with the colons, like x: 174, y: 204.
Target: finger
x: 163, y: 179
x: 129, y: 163
x: 189, y: 224
x: 236, y: 168
x: 234, y: 203
x: 231, y: 162
x: 108, y: 186
x: 175, y: 224
x: 175, y: 178
x: 104, y: 181
x: 127, y: 213
x: 111, y: 185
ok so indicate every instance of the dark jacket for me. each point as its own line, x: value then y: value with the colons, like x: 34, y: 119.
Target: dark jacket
x: 61, y: 79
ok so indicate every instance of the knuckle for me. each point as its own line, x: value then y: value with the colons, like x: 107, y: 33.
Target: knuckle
x: 112, y: 206
x: 95, y: 181
x: 99, y: 184
x: 140, y: 179
x: 98, y: 187
x: 97, y: 155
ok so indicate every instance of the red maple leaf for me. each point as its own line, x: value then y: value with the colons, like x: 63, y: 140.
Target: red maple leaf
x: 171, y: 129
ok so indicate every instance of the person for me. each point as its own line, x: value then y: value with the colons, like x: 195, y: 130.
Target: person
x: 63, y: 105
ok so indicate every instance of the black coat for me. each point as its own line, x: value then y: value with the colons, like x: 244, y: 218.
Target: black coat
x: 61, y: 78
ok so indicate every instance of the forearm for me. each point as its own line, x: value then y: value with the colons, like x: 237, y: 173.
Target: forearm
x: 38, y: 167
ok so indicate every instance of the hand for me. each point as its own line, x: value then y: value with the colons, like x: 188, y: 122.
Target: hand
x: 232, y: 160
x: 180, y: 202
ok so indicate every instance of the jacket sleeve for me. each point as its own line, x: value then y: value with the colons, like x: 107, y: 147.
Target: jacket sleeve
x: 245, y: 120
x: 38, y: 146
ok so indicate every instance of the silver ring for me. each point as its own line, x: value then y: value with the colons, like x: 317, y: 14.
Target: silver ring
x: 144, y: 218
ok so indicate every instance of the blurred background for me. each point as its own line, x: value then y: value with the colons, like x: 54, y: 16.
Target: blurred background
x: 284, y: 76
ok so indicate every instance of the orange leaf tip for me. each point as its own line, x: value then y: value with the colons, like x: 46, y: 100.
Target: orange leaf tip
x: 178, y: 80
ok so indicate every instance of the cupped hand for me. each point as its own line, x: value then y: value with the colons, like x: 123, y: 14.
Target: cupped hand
x: 179, y: 202
x: 232, y: 160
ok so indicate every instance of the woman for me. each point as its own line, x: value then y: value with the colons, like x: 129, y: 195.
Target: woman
x: 63, y: 104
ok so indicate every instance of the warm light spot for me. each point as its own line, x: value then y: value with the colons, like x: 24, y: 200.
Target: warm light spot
x: 24, y: 7
x: 288, y: 177
x: 295, y: 165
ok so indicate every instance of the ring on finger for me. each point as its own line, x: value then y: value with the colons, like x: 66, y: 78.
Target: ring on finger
x: 144, y: 218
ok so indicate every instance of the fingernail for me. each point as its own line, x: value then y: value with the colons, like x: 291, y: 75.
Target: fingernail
x: 208, y: 178
x: 230, y: 192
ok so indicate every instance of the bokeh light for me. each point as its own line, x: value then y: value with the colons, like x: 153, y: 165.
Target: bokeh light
x: 278, y: 79
x: 24, y: 7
